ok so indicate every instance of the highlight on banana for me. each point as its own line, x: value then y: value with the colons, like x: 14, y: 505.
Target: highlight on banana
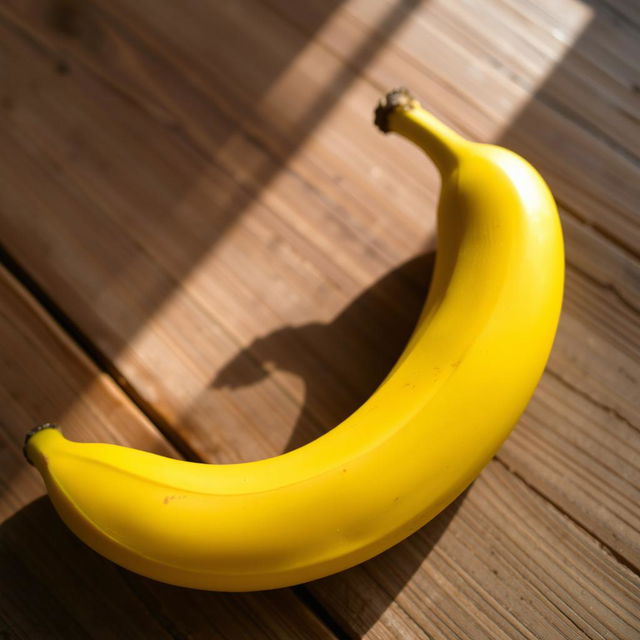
x: 466, y: 375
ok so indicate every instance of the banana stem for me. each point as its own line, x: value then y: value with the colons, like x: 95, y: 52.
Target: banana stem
x: 40, y: 427
x: 401, y: 113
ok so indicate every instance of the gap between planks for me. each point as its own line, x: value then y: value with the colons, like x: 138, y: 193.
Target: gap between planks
x: 93, y: 352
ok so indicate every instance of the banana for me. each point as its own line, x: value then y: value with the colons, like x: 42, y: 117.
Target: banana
x: 464, y: 378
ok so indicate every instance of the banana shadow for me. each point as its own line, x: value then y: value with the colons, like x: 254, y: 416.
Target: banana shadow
x: 341, y: 362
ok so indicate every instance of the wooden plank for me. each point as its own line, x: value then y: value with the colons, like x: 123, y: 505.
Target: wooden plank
x: 597, y: 348
x: 584, y: 459
x: 625, y: 11
x: 51, y: 585
x: 559, y: 56
x: 139, y: 237
x: 282, y: 282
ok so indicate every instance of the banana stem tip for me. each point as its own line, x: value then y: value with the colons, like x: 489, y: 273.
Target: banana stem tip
x: 30, y: 434
x: 397, y: 99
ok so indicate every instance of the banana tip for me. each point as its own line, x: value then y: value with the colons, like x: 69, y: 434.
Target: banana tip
x: 30, y: 434
x: 396, y: 99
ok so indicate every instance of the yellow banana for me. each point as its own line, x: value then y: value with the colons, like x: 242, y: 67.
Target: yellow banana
x: 457, y: 390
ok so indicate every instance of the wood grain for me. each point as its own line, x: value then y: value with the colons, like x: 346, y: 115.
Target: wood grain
x: 218, y: 217
x: 51, y: 585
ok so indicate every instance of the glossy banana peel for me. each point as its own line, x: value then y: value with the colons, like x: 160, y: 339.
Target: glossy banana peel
x: 457, y: 390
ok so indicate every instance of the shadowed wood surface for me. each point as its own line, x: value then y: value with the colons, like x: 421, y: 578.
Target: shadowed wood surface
x: 212, y: 253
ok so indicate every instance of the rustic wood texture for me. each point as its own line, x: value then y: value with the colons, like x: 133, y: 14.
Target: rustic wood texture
x: 195, y: 190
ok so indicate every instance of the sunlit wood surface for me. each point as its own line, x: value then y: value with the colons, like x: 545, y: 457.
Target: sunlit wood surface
x: 210, y: 252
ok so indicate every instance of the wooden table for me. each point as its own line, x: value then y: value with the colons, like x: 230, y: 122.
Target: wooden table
x: 210, y: 252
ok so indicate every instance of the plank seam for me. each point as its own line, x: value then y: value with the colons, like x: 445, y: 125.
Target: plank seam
x: 147, y: 600
x: 595, y: 131
x: 608, y: 286
x: 321, y: 612
x: 583, y: 394
x: 603, y: 545
x: 91, y: 350
x: 626, y: 247
x: 614, y: 13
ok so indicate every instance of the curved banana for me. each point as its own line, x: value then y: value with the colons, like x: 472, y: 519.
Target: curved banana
x: 466, y: 375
